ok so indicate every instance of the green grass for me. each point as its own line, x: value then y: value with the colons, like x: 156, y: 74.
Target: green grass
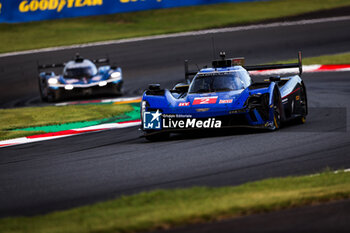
x: 51, y: 115
x: 8, y: 134
x: 340, y: 58
x: 167, y: 208
x: 24, y: 36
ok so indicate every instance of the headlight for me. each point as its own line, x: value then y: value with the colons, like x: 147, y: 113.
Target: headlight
x: 116, y: 75
x: 52, y: 81
x: 102, y: 83
x: 68, y: 87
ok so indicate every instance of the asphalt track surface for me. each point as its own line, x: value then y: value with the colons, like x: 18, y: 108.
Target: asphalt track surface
x: 52, y: 175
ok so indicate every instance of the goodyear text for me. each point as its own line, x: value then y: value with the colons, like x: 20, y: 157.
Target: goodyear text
x: 58, y: 5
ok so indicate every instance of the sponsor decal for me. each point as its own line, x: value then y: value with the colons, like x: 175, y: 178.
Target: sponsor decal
x: 205, y: 100
x: 157, y: 121
x: 132, y: 1
x: 226, y: 101
x: 56, y: 5
x: 176, y: 116
x: 71, y: 81
x: 238, y: 61
x: 237, y: 111
x: 202, y: 109
x: 297, y: 97
x: 96, y: 78
x: 152, y: 120
x: 190, y: 123
x: 23, y: 10
x: 184, y: 104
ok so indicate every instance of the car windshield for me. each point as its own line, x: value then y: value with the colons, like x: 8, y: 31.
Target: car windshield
x: 79, y: 72
x: 216, y: 83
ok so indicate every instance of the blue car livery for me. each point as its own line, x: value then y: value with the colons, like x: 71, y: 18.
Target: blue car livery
x: 80, y: 77
x: 224, y: 96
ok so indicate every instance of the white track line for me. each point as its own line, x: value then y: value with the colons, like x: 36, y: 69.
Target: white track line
x: 306, y: 69
x: 345, y: 170
x: 67, y: 133
x: 114, y: 100
x: 182, y: 34
x: 337, y: 171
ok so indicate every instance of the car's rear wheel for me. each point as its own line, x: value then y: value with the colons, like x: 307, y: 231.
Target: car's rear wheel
x: 301, y: 120
x: 276, y: 119
x: 303, y: 106
x: 276, y: 124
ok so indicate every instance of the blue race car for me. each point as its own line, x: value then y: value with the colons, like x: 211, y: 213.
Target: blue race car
x: 224, y: 96
x: 80, y: 77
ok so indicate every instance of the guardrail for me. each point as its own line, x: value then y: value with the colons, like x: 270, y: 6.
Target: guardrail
x: 15, y: 11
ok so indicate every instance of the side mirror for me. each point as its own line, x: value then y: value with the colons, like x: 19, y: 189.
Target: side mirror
x: 154, y: 87
x: 182, y: 87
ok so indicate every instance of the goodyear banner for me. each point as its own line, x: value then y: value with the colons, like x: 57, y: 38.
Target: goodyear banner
x: 13, y: 11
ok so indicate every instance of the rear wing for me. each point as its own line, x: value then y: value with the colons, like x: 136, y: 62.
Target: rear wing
x: 78, y: 58
x: 48, y: 66
x: 223, y: 62
x: 101, y: 61
x: 278, y: 66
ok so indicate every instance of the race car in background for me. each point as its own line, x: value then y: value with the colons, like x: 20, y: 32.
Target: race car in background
x: 80, y: 77
x: 224, y: 96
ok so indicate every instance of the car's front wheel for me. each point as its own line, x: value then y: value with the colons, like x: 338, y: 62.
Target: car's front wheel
x: 43, y: 89
x: 117, y: 89
x: 55, y: 95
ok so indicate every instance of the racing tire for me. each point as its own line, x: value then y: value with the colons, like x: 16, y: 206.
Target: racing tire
x: 303, y: 105
x: 303, y: 100
x: 54, y: 96
x: 157, y: 137
x: 300, y: 120
x: 43, y: 90
x: 277, y: 102
x: 276, y: 119
x: 117, y: 89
